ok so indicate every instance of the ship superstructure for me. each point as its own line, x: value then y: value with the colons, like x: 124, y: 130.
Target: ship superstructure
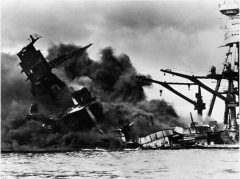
x: 229, y: 73
x: 231, y: 64
x: 75, y: 106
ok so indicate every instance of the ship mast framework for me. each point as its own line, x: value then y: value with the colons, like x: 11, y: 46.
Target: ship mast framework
x: 230, y: 72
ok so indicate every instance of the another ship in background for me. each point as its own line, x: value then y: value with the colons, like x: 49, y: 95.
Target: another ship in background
x: 78, y: 110
x: 209, y: 135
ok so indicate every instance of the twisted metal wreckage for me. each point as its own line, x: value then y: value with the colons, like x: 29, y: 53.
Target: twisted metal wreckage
x: 77, y: 108
x: 75, y: 104
x: 197, y: 135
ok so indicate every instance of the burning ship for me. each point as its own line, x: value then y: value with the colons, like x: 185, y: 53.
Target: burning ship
x: 207, y: 136
x: 74, y: 110
x: 43, y: 82
x: 78, y: 110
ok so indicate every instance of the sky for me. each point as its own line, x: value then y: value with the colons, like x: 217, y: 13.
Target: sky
x: 184, y: 35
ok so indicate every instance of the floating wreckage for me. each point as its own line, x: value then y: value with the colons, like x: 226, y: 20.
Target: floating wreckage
x: 207, y: 136
x: 196, y: 136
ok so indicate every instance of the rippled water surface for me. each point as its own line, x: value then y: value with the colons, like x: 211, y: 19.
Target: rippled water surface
x: 170, y: 164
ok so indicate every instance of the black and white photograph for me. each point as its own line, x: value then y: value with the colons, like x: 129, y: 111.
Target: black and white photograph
x: 120, y: 89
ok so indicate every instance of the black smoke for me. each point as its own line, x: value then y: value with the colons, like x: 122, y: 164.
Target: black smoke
x: 113, y: 77
x: 120, y: 98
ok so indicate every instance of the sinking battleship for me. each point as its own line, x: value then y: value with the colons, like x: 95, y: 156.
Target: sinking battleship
x: 77, y: 109
x: 209, y: 135
x: 74, y: 110
x: 71, y: 103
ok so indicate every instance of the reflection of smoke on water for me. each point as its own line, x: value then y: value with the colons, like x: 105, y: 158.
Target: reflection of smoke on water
x: 119, y: 94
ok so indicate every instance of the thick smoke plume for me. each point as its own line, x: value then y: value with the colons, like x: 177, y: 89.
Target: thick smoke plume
x: 120, y: 96
x: 112, y: 77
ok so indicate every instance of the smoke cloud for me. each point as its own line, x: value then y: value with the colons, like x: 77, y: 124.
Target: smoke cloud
x: 113, y: 77
x: 120, y: 100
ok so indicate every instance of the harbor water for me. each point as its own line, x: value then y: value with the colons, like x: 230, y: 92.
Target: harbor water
x: 169, y: 164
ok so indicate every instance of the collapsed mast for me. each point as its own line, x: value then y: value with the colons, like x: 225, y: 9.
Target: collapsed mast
x: 39, y: 72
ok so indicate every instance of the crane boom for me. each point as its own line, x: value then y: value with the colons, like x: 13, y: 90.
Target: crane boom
x: 199, y: 105
x: 164, y: 84
x: 195, y: 80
